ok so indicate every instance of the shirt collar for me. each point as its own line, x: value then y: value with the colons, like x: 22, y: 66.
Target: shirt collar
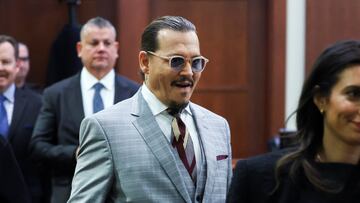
x: 89, y: 80
x: 156, y: 106
x: 9, y: 94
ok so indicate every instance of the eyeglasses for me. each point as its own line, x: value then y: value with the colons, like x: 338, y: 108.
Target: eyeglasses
x: 177, y: 63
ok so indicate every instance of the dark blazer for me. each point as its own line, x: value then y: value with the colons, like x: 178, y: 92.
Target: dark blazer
x: 56, y: 133
x: 12, y: 185
x: 26, y: 109
x: 254, y: 181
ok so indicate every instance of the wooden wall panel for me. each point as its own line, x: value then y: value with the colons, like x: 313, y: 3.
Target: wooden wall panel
x: 275, y: 74
x: 244, y: 40
x: 131, y: 25
x: 233, y: 35
x: 37, y: 23
x: 328, y: 21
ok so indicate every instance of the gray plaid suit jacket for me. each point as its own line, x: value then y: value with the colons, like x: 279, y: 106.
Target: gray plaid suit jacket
x: 124, y: 157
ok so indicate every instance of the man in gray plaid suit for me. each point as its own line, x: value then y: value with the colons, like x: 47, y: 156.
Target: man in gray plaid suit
x: 127, y: 152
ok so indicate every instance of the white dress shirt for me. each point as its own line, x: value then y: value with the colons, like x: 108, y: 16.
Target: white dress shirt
x: 164, y: 120
x: 87, y: 81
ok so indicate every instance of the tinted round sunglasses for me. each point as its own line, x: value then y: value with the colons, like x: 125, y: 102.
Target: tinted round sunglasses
x: 177, y: 63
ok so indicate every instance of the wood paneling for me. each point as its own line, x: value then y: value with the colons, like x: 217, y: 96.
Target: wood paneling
x: 244, y: 40
x: 234, y: 36
x: 37, y: 23
x: 131, y: 25
x: 328, y: 21
x: 275, y: 74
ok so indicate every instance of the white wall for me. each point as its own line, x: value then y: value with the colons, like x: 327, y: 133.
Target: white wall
x: 295, y: 56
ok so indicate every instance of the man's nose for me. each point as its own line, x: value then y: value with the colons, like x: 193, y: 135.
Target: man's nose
x: 187, y: 70
x: 101, y: 46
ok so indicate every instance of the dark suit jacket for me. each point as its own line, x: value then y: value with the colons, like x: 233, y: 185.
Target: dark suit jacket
x: 56, y: 133
x: 254, y: 181
x: 12, y: 185
x: 26, y: 108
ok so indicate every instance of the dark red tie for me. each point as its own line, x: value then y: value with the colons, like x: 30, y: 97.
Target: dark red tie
x: 184, y: 146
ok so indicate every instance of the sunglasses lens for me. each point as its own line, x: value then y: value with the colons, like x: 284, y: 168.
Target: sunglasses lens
x: 177, y: 62
x: 198, y: 64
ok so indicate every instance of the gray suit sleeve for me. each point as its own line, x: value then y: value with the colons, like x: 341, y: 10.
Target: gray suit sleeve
x: 94, y: 169
x: 228, y: 135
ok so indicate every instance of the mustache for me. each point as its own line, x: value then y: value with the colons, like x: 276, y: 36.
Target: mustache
x: 183, y: 79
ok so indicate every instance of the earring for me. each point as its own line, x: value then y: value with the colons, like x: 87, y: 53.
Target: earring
x: 321, y: 111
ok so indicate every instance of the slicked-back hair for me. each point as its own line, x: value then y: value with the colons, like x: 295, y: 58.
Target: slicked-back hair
x: 149, y: 40
x: 13, y: 42
x: 98, y: 22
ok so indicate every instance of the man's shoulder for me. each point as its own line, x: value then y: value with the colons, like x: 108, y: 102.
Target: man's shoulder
x: 126, y: 82
x: 29, y: 94
x: 202, y: 111
x: 59, y: 86
x: 123, y: 107
x: 264, y: 162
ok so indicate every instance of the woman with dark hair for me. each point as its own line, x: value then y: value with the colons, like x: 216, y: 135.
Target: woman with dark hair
x: 325, y: 165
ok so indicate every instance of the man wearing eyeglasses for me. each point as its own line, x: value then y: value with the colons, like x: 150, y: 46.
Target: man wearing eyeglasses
x: 157, y: 146
x: 24, y: 67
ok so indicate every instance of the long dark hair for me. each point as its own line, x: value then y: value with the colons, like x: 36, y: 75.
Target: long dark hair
x: 309, y: 120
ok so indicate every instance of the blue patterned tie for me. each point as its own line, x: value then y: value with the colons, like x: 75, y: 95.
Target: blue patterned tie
x: 98, y: 104
x: 4, y: 125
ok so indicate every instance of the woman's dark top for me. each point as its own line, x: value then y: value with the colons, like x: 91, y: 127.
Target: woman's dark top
x: 254, y: 179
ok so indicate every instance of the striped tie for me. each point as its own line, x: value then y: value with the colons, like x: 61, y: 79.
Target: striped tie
x: 183, y: 144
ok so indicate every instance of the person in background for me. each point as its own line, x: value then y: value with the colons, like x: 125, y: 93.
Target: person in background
x: 24, y: 67
x: 56, y: 135
x: 18, y: 111
x: 324, y: 167
x: 24, y: 59
x: 157, y: 146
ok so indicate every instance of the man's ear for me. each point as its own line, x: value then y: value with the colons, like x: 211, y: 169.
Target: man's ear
x: 78, y: 48
x: 17, y: 65
x: 144, y: 62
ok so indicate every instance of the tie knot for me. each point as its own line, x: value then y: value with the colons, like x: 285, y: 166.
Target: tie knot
x: 173, y: 111
x: 98, y: 86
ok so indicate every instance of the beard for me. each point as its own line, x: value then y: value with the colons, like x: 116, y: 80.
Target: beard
x: 176, y: 107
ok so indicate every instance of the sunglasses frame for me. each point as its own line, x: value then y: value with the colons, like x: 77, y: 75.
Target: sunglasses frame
x: 169, y: 58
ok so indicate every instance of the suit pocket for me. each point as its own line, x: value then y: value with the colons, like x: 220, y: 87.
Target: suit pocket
x: 221, y: 157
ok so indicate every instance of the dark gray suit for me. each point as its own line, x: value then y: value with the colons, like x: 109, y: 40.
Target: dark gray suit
x: 56, y: 134
x: 26, y: 109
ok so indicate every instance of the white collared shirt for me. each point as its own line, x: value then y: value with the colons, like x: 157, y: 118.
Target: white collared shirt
x: 87, y: 81
x: 9, y: 102
x: 164, y: 120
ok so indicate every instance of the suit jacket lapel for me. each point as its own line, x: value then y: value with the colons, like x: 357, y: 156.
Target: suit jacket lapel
x: 210, y: 153
x: 19, y: 105
x: 73, y: 100
x: 157, y: 142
